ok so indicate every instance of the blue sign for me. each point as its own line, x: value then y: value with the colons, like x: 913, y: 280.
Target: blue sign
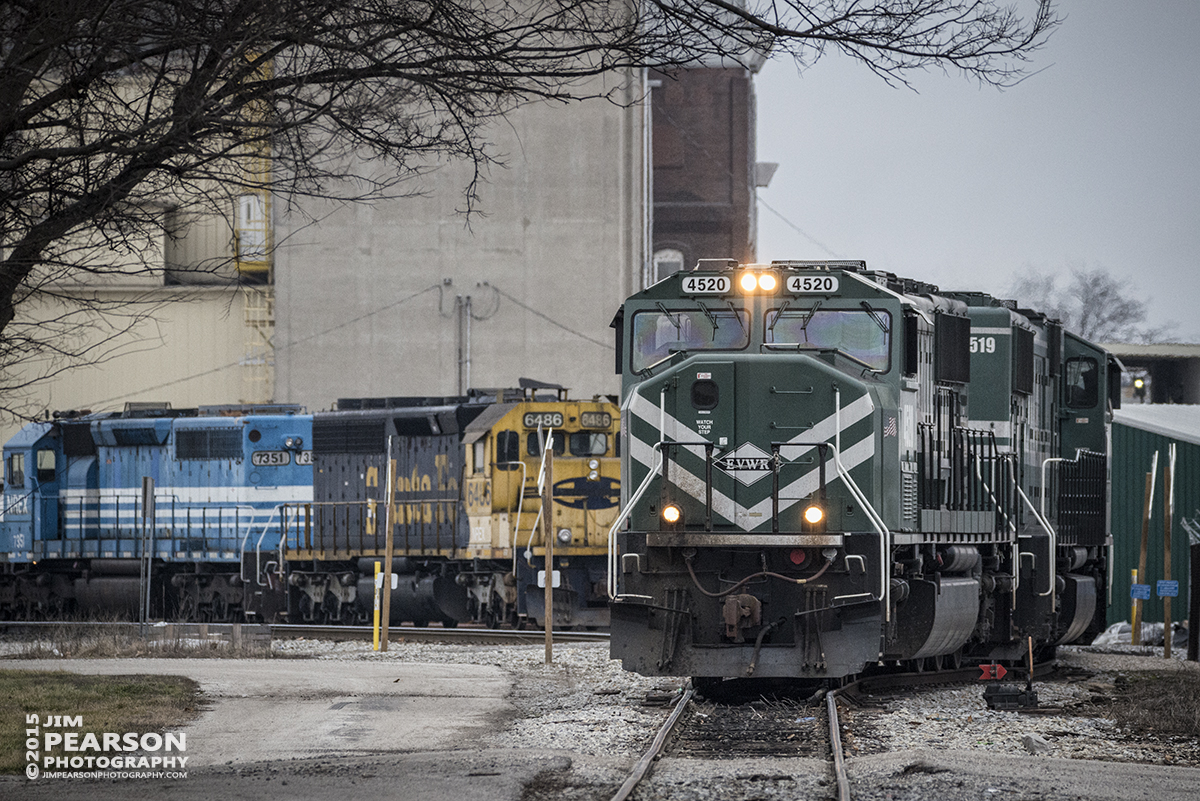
x: 1168, y: 589
x: 1139, y: 592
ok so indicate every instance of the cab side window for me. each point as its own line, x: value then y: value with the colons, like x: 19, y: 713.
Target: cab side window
x: 1082, y: 383
x: 16, y: 470
x: 45, y: 466
x: 508, y: 450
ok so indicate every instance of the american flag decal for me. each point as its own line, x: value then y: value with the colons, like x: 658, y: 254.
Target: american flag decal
x: 889, y: 429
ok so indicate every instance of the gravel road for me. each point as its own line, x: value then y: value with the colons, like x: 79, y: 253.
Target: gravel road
x: 515, y: 728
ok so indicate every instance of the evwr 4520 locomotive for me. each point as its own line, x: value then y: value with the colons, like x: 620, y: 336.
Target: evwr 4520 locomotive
x: 825, y: 468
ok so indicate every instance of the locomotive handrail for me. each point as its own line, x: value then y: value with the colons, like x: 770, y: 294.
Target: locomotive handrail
x: 1053, y: 539
x: 885, y: 535
x: 637, y: 496
x: 623, y: 516
x: 258, y: 548
x: 1012, y: 526
x: 516, y: 532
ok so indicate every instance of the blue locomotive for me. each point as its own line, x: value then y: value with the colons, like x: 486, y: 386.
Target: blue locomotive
x: 199, y: 491
x: 266, y: 513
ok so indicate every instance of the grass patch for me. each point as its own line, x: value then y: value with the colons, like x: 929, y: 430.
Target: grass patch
x: 119, y: 704
x: 124, y: 640
x: 1164, y: 703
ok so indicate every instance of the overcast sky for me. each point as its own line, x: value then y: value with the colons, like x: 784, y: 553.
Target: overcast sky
x: 1094, y: 160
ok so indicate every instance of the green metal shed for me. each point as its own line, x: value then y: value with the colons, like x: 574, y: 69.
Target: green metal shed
x: 1138, y: 432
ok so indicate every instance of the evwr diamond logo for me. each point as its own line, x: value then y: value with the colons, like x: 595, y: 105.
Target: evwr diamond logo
x: 747, y: 463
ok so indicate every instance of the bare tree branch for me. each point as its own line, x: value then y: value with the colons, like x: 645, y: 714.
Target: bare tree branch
x: 120, y: 118
x: 1094, y: 304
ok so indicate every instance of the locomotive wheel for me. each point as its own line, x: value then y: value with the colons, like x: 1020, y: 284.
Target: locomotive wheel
x: 187, y: 607
x: 306, y: 608
x: 421, y: 624
x: 331, y: 610
x: 955, y: 659
x: 449, y: 624
x: 220, y: 610
x: 936, y: 662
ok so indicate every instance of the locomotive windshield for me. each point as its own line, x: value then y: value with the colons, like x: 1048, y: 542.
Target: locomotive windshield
x: 657, y: 334
x: 864, y: 334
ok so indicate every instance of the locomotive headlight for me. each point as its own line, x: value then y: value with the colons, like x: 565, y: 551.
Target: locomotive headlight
x: 813, y: 520
x: 564, y: 535
x: 594, y: 475
x: 593, y: 464
x: 767, y: 282
x: 671, y: 514
x: 749, y: 282
x: 293, y: 443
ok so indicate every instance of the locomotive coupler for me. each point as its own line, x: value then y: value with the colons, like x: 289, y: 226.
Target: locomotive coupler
x: 741, y: 612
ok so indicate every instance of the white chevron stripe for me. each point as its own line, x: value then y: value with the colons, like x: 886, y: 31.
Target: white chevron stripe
x: 796, y: 491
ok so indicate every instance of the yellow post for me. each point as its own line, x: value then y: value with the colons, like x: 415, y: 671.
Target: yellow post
x: 1135, y: 620
x: 378, y: 591
x: 389, y: 521
x: 548, y: 542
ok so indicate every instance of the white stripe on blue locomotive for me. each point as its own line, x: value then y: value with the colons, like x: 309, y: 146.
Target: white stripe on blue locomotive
x: 210, y: 522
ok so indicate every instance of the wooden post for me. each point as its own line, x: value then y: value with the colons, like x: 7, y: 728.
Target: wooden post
x: 1147, y: 512
x: 1168, y: 513
x: 387, y: 548
x: 548, y: 542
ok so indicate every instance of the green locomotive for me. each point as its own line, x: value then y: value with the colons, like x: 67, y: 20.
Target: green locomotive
x: 827, y: 467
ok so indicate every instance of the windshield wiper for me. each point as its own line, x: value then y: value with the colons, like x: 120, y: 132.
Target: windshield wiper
x: 710, y: 317
x: 808, y: 318
x: 779, y: 314
x: 877, y: 316
x: 737, y: 317
x: 674, y: 321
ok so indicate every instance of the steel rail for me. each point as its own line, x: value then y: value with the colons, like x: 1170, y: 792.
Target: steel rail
x: 643, y: 765
x: 317, y: 632
x: 835, y: 748
x: 413, y: 634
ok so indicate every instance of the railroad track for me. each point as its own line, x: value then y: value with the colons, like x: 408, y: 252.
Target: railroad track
x: 464, y: 635
x: 779, y: 727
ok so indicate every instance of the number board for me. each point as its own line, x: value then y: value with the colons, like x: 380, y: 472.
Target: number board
x: 270, y: 458
x: 706, y: 284
x: 544, y: 419
x: 279, y: 458
x: 595, y: 419
x: 812, y: 284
